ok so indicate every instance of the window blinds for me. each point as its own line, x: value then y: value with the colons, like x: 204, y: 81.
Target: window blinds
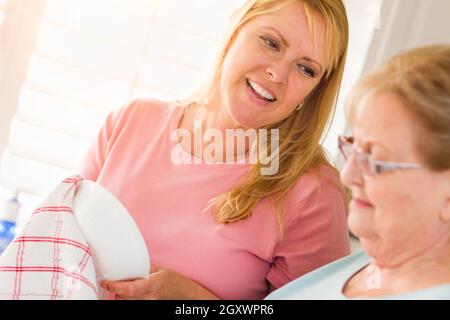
x: 2, y: 12
x: 93, y: 56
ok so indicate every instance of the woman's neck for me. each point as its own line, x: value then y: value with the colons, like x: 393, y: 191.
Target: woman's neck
x: 422, y: 270
x: 207, y: 121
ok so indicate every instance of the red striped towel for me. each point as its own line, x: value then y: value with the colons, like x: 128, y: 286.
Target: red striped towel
x: 50, y: 259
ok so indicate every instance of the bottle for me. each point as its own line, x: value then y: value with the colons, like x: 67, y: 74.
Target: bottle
x: 8, y: 216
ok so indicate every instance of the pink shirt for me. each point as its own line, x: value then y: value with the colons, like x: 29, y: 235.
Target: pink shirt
x: 132, y: 158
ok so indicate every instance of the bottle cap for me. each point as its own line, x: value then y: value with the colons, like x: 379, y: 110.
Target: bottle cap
x: 9, y: 209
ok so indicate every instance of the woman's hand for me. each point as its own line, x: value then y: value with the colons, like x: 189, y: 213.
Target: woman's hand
x: 161, y: 284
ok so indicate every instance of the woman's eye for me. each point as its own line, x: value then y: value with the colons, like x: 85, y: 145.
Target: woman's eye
x: 307, y: 71
x: 272, y: 44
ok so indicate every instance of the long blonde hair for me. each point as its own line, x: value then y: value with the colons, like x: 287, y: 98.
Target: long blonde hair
x: 301, y: 132
x: 421, y: 79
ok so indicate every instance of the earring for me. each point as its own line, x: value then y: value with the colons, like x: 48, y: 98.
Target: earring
x: 300, y: 106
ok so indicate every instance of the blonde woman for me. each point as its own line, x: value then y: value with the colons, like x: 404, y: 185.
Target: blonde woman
x: 398, y: 168
x: 218, y: 225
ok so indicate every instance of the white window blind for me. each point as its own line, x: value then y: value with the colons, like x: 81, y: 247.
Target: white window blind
x: 93, y: 56
x: 2, y: 11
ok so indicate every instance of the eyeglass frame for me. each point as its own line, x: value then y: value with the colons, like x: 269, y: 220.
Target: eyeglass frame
x: 374, y: 166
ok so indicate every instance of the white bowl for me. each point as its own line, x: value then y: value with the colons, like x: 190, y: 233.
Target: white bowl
x: 118, y: 248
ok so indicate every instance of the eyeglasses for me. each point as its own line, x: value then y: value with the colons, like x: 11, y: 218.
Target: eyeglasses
x: 370, y: 166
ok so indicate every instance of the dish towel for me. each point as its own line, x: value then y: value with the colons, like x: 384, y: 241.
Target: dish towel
x: 50, y: 259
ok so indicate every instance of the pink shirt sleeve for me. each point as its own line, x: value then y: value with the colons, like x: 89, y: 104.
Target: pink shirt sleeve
x: 100, y: 147
x: 315, y: 234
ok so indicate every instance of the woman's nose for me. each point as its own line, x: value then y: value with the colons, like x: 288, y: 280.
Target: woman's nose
x: 351, y: 173
x: 277, y: 72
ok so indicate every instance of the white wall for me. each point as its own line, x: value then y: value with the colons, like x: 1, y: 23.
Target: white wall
x: 401, y: 25
x: 435, y: 26
x: 364, y: 19
x: 406, y: 24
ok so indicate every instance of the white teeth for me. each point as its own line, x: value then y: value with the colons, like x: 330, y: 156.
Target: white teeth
x: 261, y: 91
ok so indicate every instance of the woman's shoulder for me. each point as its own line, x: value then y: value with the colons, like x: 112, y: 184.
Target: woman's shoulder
x: 321, y: 181
x: 143, y: 114
x: 146, y: 107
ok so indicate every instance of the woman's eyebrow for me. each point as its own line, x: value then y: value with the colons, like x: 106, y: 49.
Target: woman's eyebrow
x: 279, y: 34
x: 287, y: 45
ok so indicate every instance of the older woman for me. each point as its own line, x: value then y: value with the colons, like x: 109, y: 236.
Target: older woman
x: 398, y: 169
x: 216, y: 224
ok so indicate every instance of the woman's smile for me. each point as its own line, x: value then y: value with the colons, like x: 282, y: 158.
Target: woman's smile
x: 258, y: 94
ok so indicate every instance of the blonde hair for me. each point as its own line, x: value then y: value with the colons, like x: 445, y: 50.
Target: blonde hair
x: 421, y: 79
x: 301, y: 132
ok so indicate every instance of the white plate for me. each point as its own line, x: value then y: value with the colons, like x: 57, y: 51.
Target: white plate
x: 118, y: 248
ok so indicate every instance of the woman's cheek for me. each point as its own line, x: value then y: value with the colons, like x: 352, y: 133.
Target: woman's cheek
x: 360, y: 223
x: 388, y: 195
x: 376, y: 191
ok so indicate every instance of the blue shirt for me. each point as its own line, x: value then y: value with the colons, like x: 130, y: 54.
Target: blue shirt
x: 328, y: 282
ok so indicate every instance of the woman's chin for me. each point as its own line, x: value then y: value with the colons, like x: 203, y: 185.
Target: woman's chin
x: 246, y: 120
x: 361, y: 224
x: 377, y: 250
